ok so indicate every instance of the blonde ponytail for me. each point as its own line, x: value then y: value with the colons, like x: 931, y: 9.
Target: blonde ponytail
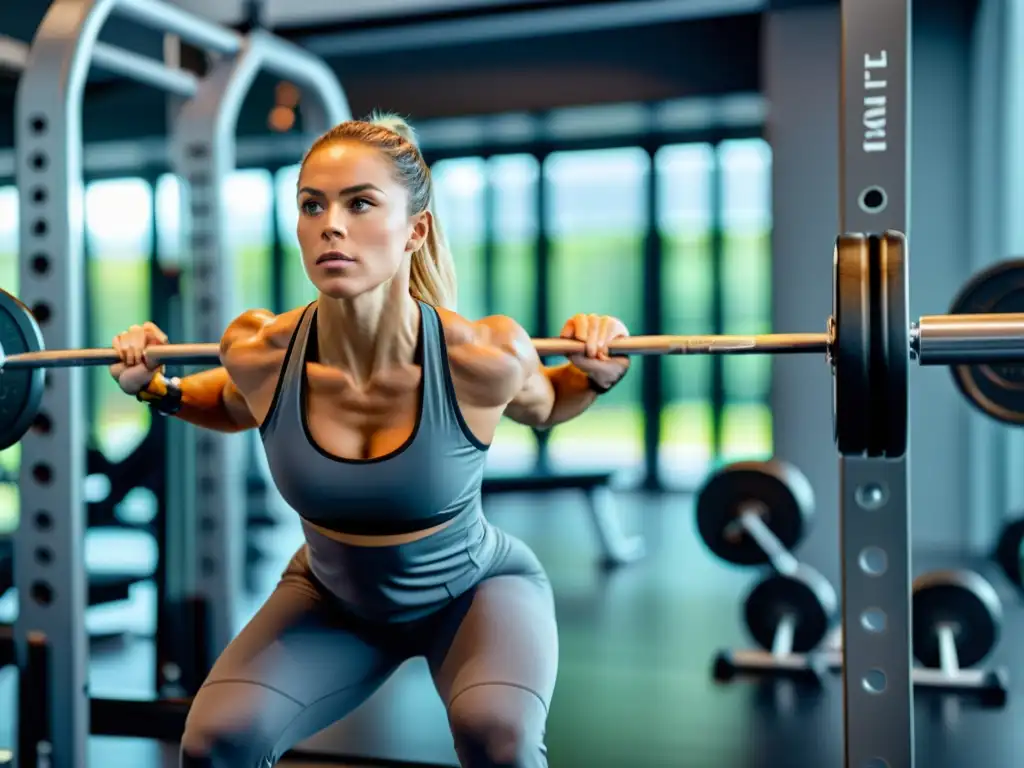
x: 432, y: 275
x: 432, y: 278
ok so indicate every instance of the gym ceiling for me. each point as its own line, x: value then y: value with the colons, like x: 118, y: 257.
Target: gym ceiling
x: 451, y: 58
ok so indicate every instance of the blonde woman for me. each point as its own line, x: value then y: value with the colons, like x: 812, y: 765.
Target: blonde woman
x: 376, y: 405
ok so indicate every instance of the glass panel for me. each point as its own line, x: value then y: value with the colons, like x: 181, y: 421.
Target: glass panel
x: 169, y: 233
x: 513, y: 180
x: 9, y: 282
x: 248, y: 203
x: 459, y: 206
x: 746, y: 294
x: 596, y: 210
x: 685, y: 220
x: 118, y: 216
x: 298, y: 291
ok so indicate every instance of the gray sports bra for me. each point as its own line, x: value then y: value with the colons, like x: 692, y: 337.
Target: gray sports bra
x: 431, y: 478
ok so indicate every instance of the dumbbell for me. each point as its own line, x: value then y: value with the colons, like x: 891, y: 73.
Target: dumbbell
x: 957, y: 621
x: 1008, y: 553
x: 752, y: 513
x: 755, y: 512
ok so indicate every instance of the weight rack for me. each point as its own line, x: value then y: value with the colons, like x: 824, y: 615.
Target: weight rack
x: 874, y: 503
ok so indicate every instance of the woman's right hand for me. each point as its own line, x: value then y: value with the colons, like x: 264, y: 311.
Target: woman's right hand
x: 133, y: 373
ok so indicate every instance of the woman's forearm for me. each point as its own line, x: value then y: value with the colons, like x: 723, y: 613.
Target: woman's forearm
x: 203, y: 400
x: 572, y: 393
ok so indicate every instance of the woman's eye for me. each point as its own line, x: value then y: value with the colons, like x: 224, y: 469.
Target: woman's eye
x: 361, y: 204
x: 311, y: 207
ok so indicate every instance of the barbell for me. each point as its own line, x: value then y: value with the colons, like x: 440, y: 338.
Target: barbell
x: 868, y: 342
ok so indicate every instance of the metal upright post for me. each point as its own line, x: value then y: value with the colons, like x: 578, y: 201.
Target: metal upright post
x: 874, y: 491
x: 203, y: 156
x: 50, y: 575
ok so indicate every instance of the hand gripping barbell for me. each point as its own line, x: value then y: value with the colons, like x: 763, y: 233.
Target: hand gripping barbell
x: 868, y: 342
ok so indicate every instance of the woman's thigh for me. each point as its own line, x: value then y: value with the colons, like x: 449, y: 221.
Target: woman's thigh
x: 297, y: 667
x: 501, y: 632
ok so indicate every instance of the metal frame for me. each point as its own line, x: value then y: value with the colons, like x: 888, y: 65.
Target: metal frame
x: 522, y: 24
x: 203, y: 141
x: 875, y: 163
x: 51, y: 576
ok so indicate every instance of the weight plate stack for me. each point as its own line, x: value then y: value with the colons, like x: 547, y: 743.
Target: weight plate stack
x: 996, y: 389
x: 892, y: 326
x: 21, y: 390
x: 870, y: 348
x: 851, y: 360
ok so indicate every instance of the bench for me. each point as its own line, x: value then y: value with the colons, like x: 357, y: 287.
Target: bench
x: 617, y: 548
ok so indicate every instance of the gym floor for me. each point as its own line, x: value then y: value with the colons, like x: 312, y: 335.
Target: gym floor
x: 636, y: 648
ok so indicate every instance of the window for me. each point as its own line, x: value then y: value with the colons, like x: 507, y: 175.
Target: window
x: 685, y: 221
x: 746, y: 294
x: 596, y: 225
x: 248, y: 205
x: 9, y: 282
x: 118, y: 215
x: 459, y: 201
x: 513, y: 191
x: 298, y: 291
x: 169, y: 234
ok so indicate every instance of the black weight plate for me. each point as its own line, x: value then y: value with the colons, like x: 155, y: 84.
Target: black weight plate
x: 1008, y: 551
x: 890, y: 346
x: 851, y: 360
x: 780, y: 490
x: 21, y: 390
x: 805, y: 595
x: 997, y: 390
x: 963, y: 599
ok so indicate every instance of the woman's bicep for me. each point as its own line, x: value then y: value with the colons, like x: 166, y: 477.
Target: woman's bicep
x: 533, y: 402
x: 237, y: 406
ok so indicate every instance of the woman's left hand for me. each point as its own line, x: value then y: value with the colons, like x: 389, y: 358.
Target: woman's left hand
x: 596, y: 331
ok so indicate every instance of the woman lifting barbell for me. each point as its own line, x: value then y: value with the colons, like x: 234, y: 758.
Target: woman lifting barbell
x: 376, y: 406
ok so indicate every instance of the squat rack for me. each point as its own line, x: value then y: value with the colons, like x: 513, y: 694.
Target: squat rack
x: 874, y: 502
x: 49, y: 571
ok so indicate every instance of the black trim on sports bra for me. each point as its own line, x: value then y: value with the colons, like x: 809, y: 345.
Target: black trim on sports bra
x: 280, y: 376
x: 312, y: 357
x: 449, y: 386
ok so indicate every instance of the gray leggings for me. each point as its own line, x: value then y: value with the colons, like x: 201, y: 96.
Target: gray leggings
x: 303, y: 662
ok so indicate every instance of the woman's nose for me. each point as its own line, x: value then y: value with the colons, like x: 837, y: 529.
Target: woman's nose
x: 334, y: 229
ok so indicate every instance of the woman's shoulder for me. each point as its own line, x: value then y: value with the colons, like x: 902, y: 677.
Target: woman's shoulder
x: 493, y: 330
x: 260, y: 329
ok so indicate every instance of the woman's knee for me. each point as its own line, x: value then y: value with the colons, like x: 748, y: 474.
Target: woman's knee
x: 234, y: 725
x: 499, y: 726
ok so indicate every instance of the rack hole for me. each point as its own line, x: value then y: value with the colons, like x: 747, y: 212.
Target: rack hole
x: 873, y: 561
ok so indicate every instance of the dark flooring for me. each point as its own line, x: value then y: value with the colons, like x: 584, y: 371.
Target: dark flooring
x: 635, y: 689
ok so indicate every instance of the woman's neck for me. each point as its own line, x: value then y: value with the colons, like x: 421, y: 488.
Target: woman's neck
x: 369, y: 333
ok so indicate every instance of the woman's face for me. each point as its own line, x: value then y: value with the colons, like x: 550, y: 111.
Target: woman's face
x: 354, y: 228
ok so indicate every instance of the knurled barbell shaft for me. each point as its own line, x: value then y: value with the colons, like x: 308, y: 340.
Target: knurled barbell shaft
x: 205, y: 354
x: 181, y: 354
x: 934, y: 340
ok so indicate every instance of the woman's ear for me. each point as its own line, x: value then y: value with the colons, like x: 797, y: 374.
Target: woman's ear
x: 421, y: 225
